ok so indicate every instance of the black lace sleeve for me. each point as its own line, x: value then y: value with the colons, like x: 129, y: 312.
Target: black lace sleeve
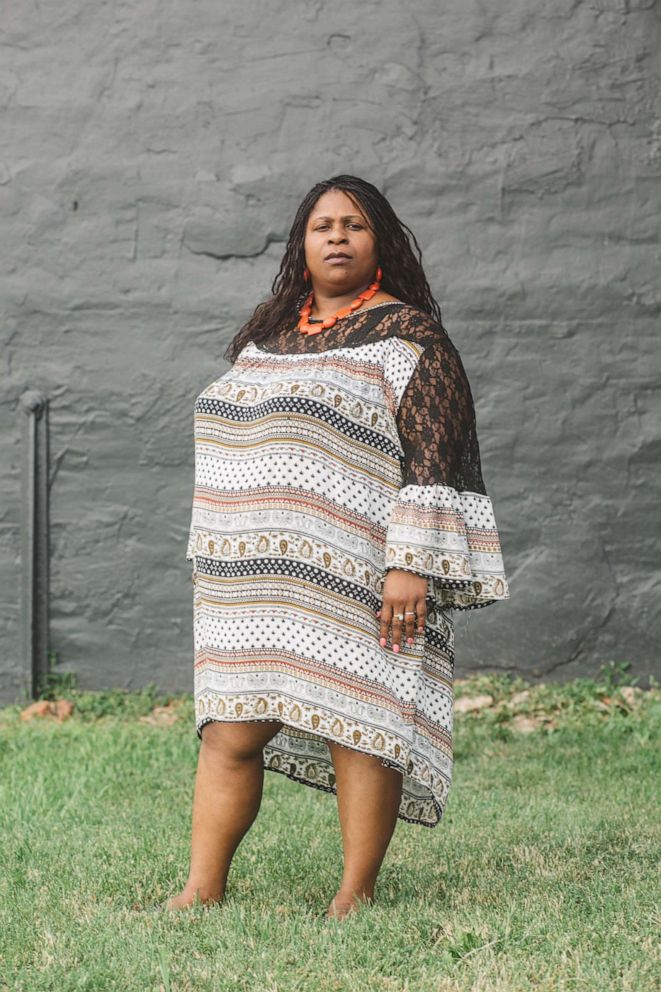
x: 442, y: 524
x: 436, y: 423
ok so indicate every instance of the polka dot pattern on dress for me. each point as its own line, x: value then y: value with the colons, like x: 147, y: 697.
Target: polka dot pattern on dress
x: 319, y: 465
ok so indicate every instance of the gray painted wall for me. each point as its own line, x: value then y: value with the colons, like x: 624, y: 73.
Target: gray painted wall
x: 152, y: 160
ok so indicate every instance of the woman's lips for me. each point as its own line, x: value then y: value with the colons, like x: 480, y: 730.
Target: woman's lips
x: 338, y: 260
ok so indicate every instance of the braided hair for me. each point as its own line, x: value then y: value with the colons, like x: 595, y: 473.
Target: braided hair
x: 403, y: 274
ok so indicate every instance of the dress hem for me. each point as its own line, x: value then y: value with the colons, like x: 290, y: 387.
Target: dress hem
x: 438, y: 808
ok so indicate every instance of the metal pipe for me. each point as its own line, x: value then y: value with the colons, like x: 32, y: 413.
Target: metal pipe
x: 34, y: 541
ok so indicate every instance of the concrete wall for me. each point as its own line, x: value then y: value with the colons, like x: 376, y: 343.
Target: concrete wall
x: 152, y: 159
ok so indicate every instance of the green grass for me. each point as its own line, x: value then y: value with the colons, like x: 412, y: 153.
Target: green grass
x: 542, y: 874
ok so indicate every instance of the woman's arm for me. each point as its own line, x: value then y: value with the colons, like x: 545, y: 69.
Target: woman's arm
x: 442, y: 525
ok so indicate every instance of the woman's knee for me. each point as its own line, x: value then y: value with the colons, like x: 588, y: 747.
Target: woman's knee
x: 238, y: 741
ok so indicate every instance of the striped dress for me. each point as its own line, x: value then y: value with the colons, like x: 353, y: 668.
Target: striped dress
x: 321, y: 461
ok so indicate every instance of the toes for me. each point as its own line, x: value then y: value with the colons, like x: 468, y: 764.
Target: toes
x: 338, y: 909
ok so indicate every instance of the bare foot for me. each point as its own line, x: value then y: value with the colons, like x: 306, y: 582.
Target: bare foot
x: 193, y: 897
x: 344, y: 903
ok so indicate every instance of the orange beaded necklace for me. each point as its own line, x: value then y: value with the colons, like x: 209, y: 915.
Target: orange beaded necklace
x: 304, y: 325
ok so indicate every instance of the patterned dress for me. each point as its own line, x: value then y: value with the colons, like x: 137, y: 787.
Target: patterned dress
x: 321, y: 461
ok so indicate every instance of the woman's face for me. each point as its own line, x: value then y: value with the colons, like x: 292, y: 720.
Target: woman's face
x: 337, y: 224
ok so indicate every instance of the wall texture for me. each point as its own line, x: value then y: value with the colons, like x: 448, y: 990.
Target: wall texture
x: 152, y: 160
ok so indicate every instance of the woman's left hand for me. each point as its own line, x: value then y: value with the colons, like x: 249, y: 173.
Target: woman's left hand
x: 404, y: 594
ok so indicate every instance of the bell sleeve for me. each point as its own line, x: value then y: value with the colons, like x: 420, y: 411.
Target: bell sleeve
x: 442, y: 522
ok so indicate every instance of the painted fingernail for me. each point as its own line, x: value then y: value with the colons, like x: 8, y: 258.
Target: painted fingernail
x: 378, y: 613
x: 420, y: 629
x: 382, y: 642
x: 409, y: 640
x: 395, y: 647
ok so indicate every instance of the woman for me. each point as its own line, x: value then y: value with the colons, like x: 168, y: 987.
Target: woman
x: 339, y: 516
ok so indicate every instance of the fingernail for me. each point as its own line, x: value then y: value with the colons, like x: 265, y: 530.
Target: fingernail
x: 378, y: 613
x: 396, y: 647
x: 382, y: 642
x: 409, y: 640
x: 420, y: 629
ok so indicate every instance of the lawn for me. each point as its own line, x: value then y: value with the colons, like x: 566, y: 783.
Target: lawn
x: 543, y: 873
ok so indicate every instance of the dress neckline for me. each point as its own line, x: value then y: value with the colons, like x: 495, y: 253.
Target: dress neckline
x: 293, y: 332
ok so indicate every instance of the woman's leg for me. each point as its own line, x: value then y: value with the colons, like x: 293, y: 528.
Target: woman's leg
x: 228, y: 793
x: 368, y: 797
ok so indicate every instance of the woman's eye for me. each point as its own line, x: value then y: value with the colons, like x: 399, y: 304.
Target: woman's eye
x: 323, y: 227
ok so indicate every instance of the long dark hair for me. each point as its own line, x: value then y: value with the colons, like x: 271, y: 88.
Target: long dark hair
x: 403, y: 275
